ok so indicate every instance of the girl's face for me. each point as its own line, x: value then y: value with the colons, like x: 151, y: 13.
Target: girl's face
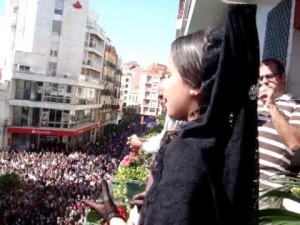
x: 181, y: 99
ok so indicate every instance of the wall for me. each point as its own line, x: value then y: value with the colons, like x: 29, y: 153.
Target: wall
x: 261, y: 20
x: 26, y: 20
x: 72, y: 38
x: 293, y: 81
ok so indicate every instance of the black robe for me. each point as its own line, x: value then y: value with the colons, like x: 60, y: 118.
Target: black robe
x: 208, y: 174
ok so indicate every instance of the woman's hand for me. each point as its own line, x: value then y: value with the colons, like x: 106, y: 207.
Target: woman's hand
x: 134, y: 142
x: 138, y: 199
x: 108, y: 209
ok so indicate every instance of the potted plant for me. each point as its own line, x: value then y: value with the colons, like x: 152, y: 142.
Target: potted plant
x: 290, y: 189
x: 132, y: 176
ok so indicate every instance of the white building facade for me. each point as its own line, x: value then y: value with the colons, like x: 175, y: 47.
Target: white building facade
x: 54, y: 66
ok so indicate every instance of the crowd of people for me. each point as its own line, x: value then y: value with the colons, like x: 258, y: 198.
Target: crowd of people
x: 54, y: 182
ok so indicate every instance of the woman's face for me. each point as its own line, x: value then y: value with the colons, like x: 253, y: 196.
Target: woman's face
x: 179, y: 101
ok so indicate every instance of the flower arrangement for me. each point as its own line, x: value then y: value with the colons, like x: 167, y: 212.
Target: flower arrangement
x: 135, y: 167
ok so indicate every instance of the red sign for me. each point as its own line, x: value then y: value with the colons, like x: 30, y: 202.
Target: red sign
x: 27, y: 130
x: 77, y: 5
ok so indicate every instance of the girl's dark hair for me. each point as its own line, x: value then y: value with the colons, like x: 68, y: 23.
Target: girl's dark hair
x: 196, y: 58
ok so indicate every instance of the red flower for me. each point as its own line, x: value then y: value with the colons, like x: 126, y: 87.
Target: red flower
x: 122, y: 212
x: 126, y: 161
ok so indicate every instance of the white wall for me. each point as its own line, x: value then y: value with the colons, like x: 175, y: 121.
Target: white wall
x: 261, y: 20
x: 37, y: 62
x: 26, y: 25
x: 72, y: 38
x: 43, y: 27
x: 293, y: 81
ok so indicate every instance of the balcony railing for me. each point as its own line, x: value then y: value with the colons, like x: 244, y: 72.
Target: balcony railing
x: 97, y: 47
x: 108, y: 78
x: 96, y: 28
x: 93, y: 64
x: 106, y: 92
x: 110, y: 64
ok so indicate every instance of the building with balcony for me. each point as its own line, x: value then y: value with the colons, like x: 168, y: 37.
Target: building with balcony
x: 110, y: 111
x: 148, y: 98
x: 54, y: 65
x: 130, y: 86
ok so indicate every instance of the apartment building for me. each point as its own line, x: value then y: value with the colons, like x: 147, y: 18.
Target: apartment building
x: 54, y: 65
x: 110, y: 111
x: 130, y: 86
x: 148, y: 98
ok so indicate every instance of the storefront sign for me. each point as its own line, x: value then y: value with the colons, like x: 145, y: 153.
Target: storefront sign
x: 25, y: 130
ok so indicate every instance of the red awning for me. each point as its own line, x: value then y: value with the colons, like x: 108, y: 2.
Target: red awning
x: 52, y: 132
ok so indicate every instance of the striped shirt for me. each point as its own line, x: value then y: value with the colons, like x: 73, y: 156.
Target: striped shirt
x: 274, y: 156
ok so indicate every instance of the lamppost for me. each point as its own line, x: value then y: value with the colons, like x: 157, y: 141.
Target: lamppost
x: 3, y: 133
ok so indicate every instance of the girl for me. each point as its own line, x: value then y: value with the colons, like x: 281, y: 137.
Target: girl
x: 205, y: 171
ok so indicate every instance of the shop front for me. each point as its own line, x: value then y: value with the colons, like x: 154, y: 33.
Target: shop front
x: 28, y: 138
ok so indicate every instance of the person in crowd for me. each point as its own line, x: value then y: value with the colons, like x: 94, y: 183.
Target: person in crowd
x: 279, y: 125
x: 204, y: 171
x: 54, y: 183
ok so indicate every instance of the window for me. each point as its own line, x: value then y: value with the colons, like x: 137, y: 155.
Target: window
x: 58, y: 11
x: 24, y: 68
x: 56, y: 27
x: 16, y: 9
x: 126, y: 80
x: 57, y: 93
x: 126, y: 85
x: 69, y: 88
x: 54, y: 53
x: 55, y: 118
x: 52, y: 68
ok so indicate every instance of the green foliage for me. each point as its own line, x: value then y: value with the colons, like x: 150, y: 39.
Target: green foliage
x: 137, y: 169
x: 278, y: 217
x: 93, y: 218
x: 290, y: 189
x: 10, y: 182
x: 134, y: 167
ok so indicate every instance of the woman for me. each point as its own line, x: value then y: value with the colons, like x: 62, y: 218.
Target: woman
x: 204, y: 171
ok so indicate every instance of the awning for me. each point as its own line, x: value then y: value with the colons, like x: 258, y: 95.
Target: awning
x: 52, y: 132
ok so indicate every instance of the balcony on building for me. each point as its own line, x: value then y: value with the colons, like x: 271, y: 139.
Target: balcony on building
x: 111, y: 65
x: 108, y: 78
x: 33, y: 67
x: 92, y: 65
x: 94, y: 46
x: 94, y: 28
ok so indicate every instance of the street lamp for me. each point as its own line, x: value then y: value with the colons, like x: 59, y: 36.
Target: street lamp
x: 3, y: 132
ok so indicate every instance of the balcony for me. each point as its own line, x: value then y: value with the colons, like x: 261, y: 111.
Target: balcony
x: 111, y: 65
x: 92, y: 65
x: 31, y: 66
x: 96, y: 30
x: 88, y: 78
x: 94, y: 48
x: 106, y: 92
x: 108, y: 78
x: 68, y: 79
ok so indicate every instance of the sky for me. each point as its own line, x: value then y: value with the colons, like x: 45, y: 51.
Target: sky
x: 141, y: 30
